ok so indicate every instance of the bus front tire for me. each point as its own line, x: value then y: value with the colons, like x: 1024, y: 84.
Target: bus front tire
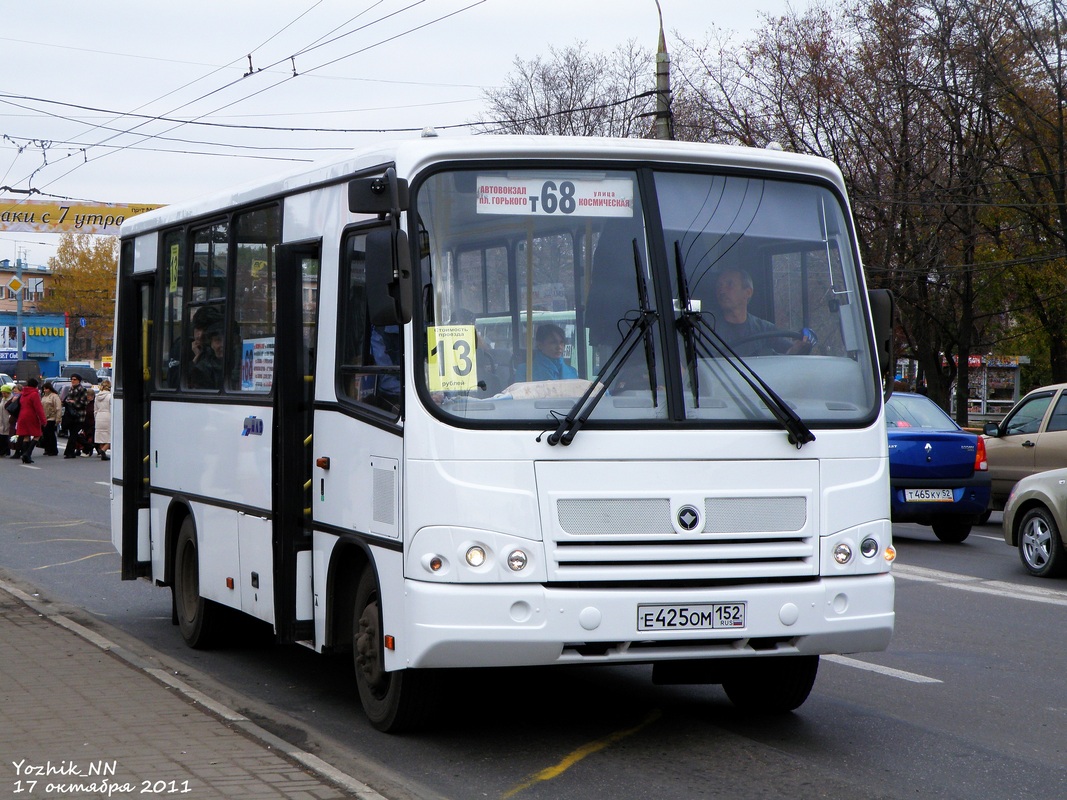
x: 773, y: 685
x: 394, y: 702
x: 198, y: 619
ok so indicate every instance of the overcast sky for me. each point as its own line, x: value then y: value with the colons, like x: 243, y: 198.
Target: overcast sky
x: 76, y: 74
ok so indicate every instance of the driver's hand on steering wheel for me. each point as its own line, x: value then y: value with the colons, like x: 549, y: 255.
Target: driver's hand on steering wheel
x: 804, y: 345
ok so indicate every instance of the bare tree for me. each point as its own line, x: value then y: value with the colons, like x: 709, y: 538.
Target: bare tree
x: 576, y: 92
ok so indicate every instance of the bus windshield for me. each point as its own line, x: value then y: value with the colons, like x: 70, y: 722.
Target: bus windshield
x: 683, y: 296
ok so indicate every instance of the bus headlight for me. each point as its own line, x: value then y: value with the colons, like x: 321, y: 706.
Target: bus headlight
x: 843, y: 553
x: 476, y: 555
x: 869, y: 547
x: 517, y: 560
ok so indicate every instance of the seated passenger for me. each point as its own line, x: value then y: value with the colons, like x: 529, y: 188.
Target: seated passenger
x: 548, y: 363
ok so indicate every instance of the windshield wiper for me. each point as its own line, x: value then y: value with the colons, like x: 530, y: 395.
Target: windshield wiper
x: 640, y: 328
x: 698, y: 335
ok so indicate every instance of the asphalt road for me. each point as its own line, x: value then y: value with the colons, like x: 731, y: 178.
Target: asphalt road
x: 965, y: 704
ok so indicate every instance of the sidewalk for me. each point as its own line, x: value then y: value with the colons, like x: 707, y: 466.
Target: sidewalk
x: 82, y: 718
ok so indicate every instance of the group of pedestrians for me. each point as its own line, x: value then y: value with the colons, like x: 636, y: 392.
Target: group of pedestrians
x: 32, y: 415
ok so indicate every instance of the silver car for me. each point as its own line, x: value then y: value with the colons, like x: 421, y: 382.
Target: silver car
x: 1035, y: 521
x: 1031, y: 438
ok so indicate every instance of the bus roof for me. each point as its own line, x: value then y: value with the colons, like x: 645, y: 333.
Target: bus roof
x: 413, y: 154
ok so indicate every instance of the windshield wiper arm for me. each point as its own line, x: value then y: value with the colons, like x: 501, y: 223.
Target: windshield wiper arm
x: 689, y: 334
x: 640, y: 328
x: 692, y: 324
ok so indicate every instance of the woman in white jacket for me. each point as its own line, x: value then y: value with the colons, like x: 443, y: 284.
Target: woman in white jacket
x: 102, y: 411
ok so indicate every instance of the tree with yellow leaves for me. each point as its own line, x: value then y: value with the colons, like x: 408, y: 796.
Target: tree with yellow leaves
x: 84, y: 271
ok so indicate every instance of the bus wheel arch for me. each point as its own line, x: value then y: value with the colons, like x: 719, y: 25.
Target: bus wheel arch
x: 346, y: 566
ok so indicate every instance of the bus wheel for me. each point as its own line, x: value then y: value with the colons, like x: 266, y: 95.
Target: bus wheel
x: 393, y: 701
x: 773, y: 685
x: 198, y: 618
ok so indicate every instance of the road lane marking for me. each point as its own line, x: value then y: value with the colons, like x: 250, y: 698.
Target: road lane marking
x: 75, y: 561
x: 577, y: 755
x: 969, y: 583
x: 855, y: 663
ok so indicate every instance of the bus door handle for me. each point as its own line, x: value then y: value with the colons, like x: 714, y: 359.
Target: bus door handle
x: 322, y: 462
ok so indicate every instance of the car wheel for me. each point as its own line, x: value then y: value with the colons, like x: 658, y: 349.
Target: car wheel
x: 1040, y: 546
x: 950, y: 529
x: 773, y: 685
x: 393, y: 701
x: 982, y: 520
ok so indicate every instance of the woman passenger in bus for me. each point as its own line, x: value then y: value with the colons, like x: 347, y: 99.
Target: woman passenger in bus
x: 548, y: 363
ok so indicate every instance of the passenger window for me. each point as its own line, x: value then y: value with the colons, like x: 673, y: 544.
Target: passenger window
x: 173, y: 348
x: 203, y: 363
x: 369, y: 367
x: 1027, y: 419
x: 1058, y: 420
x: 258, y: 234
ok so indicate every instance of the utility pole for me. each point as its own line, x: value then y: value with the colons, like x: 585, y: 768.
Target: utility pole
x: 663, y: 85
x: 18, y: 306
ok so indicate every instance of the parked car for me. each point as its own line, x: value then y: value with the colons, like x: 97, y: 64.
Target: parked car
x: 5, y: 378
x: 1031, y: 438
x: 1035, y: 521
x: 937, y: 470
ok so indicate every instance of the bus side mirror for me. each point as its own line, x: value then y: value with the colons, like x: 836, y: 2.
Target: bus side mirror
x: 882, y: 308
x: 383, y: 194
x: 388, y: 277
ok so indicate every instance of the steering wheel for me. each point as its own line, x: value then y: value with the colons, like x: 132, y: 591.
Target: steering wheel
x: 757, y: 337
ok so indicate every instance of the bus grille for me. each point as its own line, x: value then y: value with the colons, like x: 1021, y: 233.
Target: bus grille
x: 737, y: 538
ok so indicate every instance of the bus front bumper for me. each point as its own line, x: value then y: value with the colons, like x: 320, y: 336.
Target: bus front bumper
x: 479, y: 625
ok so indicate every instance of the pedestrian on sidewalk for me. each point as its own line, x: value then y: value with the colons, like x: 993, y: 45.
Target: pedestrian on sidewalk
x: 53, y: 412
x: 88, y: 431
x: 74, y: 416
x: 13, y: 416
x: 102, y: 416
x: 5, y: 421
x: 31, y: 419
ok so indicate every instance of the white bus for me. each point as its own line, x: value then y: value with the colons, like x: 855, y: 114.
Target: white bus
x: 322, y: 423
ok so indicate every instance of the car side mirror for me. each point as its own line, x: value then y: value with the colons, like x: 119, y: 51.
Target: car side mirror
x: 991, y: 429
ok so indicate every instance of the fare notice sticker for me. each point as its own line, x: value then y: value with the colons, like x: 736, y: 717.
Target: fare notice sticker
x: 453, y: 358
x: 555, y: 197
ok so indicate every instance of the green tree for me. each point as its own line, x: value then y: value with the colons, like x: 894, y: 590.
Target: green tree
x: 84, y: 273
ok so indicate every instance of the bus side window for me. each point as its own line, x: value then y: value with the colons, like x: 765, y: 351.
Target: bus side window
x: 369, y: 356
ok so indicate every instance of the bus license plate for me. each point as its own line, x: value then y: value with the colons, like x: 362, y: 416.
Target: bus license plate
x: 928, y: 495
x: 700, y: 616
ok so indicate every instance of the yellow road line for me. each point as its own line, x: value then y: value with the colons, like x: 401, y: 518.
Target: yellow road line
x: 577, y: 755
x: 75, y: 561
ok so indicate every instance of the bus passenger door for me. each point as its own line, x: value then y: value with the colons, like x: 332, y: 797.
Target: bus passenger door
x: 133, y: 343
x: 294, y: 392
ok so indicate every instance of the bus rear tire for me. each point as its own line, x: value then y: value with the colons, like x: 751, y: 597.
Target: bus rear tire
x: 773, y: 685
x: 198, y: 619
x: 394, y: 702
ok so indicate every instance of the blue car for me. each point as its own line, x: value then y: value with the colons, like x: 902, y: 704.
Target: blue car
x: 937, y: 470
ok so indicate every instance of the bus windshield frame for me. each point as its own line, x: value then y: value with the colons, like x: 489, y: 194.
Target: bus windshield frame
x: 532, y: 277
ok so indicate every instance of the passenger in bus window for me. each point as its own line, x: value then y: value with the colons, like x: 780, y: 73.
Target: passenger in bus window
x: 206, y: 364
x: 548, y: 363
x: 206, y: 370
x: 744, y: 331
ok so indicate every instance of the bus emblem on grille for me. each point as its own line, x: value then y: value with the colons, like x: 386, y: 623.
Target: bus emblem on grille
x: 688, y: 518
